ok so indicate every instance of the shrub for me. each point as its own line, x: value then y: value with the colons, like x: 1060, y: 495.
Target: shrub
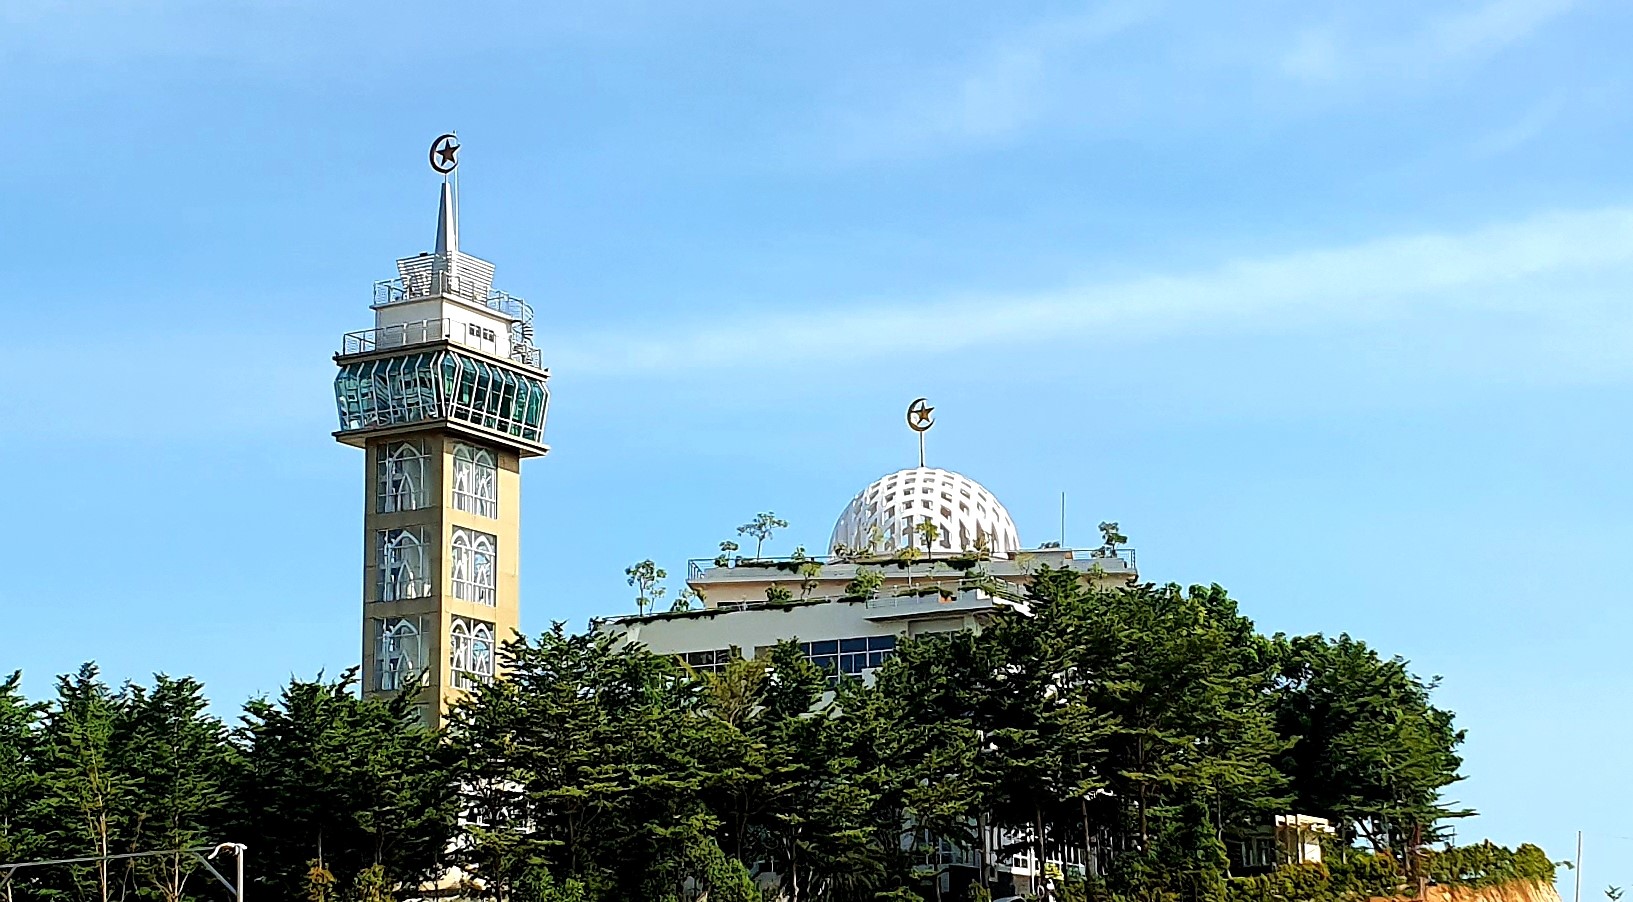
x: 1360, y: 874
x: 1487, y: 864
x: 1308, y: 882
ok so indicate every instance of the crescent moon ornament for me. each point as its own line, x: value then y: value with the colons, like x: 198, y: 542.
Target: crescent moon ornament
x: 918, y: 415
x: 443, y: 154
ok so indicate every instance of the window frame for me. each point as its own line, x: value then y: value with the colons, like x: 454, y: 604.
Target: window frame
x: 474, y: 566
x: 403, y: 564
x: 470, y: 653
x: 408, y: 462
x: 476, y: 480
x: 398, y: 641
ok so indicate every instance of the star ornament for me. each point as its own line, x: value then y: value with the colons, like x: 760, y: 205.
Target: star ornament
x: 918, y: 415
x: 443, y: 151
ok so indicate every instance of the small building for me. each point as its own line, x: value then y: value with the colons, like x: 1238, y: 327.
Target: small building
x: 1287, y: 839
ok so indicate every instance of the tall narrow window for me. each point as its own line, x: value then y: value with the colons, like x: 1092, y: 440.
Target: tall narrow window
x: 470, y: 652
x: 476, y: 483
x: 473, y: 566
x: 404, y: 569
x: 397, y: 657
x: 401, y: 473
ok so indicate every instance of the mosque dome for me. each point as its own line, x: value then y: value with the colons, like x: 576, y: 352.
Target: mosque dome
x: 883, y: 515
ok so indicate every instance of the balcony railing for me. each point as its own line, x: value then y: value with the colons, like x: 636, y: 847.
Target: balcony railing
x: 426, y: 331
x: 934, y: 590
x: 395, y: 291
x: 697, y: 568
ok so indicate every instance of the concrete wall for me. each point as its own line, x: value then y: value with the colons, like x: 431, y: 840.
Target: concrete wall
x: 437, y: 610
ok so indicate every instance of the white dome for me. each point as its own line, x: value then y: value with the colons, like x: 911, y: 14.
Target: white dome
x: 884, y: 514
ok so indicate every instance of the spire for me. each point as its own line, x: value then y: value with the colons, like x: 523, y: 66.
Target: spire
x: 447, y: 224
x: 447, y: 270
x: 445, y: 259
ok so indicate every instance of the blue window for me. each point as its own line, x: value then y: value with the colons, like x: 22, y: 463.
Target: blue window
x: 840, y: 658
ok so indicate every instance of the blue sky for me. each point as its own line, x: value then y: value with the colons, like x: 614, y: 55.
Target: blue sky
x: 1325, y: 303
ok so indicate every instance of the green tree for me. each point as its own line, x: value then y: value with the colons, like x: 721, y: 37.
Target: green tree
x: 645, y: 577
x: 1186, y: 681
x: 179, y: 762
x: 865, y: 584
x: 1111, y: 536
x: 579, y: 762
x: 1001, y: 707
x: 821, y: 802
x: 929, y: 532
x: 809, y: 573
x: 761, y: 528
x: 341, y: 784
x: 1366, y: 748
x: 727, y: 549
x: 20, y: 783
x: 684, y: 601
x: 86, y: 795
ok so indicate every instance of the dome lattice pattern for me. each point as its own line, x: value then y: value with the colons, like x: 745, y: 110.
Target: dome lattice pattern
x: 883, y: 516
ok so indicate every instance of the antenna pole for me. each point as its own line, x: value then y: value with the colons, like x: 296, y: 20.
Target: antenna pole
x: 1063, y: 519
x: 1578, y: 869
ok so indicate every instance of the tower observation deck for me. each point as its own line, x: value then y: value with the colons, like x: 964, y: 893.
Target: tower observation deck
x: 446, y: 394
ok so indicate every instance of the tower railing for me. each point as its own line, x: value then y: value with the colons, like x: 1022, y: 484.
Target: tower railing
x: 428, y: 331
x: 396, y: 291
x: 427, y: 283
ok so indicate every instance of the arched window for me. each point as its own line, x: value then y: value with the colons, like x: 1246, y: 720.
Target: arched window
x: 401, y: 472
x: 470, y: 652
x: 397, y: 653
x: 476, y: 483
x: 404, y: 570
x: 474, y: 564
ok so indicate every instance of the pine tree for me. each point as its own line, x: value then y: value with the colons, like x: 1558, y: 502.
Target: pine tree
x: 178, y: 761
x: 86, y: 796
x: 20, y: 783
x: 1367, y: 749
x: 349, y: 783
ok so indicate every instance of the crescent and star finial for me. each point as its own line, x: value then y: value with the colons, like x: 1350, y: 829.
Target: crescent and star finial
x: 444, y: 151
x: 918, y: 415
x: 920, y: 421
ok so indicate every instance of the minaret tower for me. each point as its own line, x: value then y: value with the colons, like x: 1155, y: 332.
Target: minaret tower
x: 446, y: 396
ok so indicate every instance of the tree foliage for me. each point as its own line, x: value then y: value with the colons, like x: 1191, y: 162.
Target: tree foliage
x: 1149, y: 723
x: 1366, y: 747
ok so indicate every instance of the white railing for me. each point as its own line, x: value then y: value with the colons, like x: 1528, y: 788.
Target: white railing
x: 426, y: 331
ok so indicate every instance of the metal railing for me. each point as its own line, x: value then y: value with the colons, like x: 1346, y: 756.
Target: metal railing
x: 935, y: 590
x: 426, y: 331
x: 394, y: 291
x: 696, y: 567
x: 1121, y: 553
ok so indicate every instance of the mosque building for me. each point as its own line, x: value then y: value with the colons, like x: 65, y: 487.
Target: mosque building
x: 918, y: 551
x: 446, y: 395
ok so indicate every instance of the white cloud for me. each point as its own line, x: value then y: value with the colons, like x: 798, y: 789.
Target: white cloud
x: 1562, y: 268
x: 1531, y: 124
x: 1330, y: 52
x: 1007, y: 87
x: 1492, y: 27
